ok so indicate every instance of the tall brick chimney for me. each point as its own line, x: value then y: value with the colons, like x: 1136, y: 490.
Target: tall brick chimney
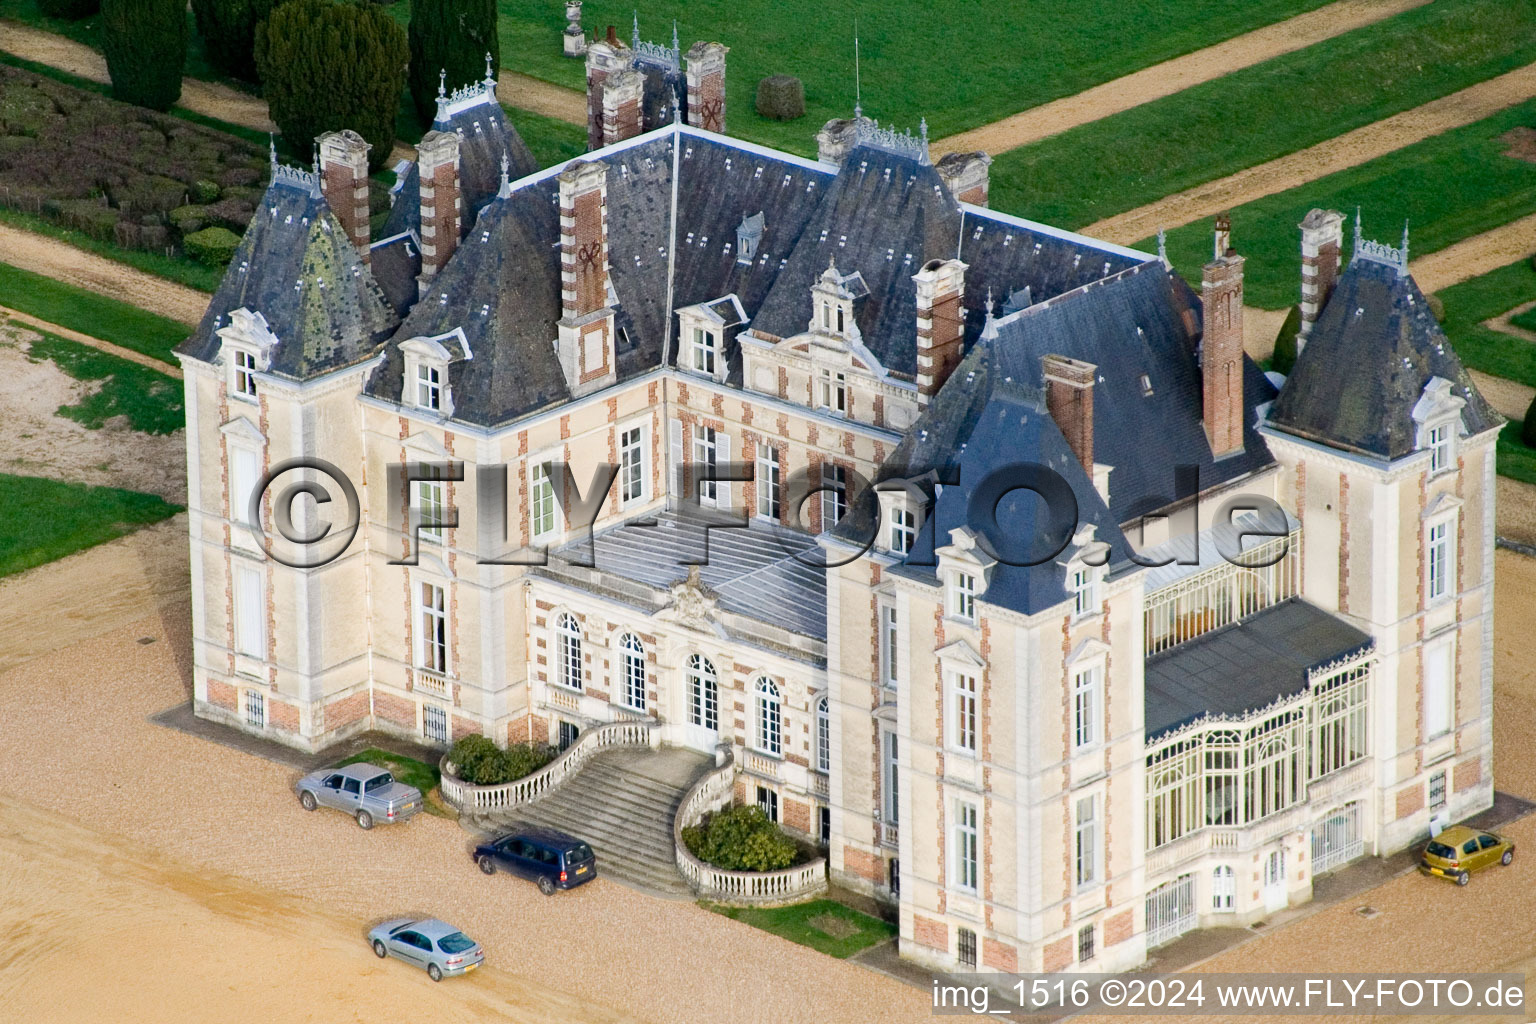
x: 1322, y: 240
x: 1069, y: 398
x: 586, y: 330
x: 705, y: 63
x: 344, y: 182
x: 437, y: 160
x: 604, y: 58
x: 940, y: 324
x: 622, y: 94
x: 1221, y: 348
x: 966, y: 175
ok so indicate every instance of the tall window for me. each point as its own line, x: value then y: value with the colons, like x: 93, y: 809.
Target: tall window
x: 962, y: 688
x: 1173, y: 792
x: 632, y: 465
x: 434, y: 724
x: 768, y: 802
x: 834, y: 391
x: 966, y: 847
x: 1085, y: 591
x: 1085, y: 708
x: 770, y: 718
x: 1439, y: 691
x: 541, y: 504
x: 1339, y: 721
x: 903, y: 529
x: 245, y: 374
x: 823, y: 736
x: 890, y: 792
x: 703, y: 351
x: 1223, y: 770
x: 1087, y: 840
x: 429, y: 387
x: 1440, y: 448
x: 632, y: 653
x: 433, y: 654
x: 705, y: 455
x: 1442, y: 561
x: 429, y: 507
x: 250, y: 612
x: 703, y: 693
x: 834, y: 494
x: 568, y: 637
x: 962, y: 596
x: 1223, y: 888
x: 769, y: 482
x: 888, y: 657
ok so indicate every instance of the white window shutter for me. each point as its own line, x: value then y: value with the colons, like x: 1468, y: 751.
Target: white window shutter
x: 1437, y: 691
x: 248, y: 611
x: 724, y: 454
x: 242, y: 482
x: 674, y: 469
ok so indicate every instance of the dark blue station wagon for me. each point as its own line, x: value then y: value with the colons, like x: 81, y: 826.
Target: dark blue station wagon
x: 552, y: 859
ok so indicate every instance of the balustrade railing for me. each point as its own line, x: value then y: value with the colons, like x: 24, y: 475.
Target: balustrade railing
x: 1223, y: 594
x: 467, y: 796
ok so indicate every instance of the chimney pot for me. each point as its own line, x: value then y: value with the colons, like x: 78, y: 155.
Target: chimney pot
x: 613, y: 37
x: 344, y: 183
x: 1069, y: 398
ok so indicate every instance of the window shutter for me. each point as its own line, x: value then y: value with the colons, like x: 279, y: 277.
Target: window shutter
x: 674, y: 468
x: 242, y: 482
x: 1437, y: 690
x: 724, y: 454
x: 248, y: 611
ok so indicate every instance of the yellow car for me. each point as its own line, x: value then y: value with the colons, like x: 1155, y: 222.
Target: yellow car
x: 1458, y: 851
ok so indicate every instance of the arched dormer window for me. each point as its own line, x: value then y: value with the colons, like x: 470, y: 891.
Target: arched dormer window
x: 1437, y: 415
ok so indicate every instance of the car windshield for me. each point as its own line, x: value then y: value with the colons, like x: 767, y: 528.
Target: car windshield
x: 458, y: 942
x: 578, y: 853
x: 1440, y: 850
x: 378, y: 782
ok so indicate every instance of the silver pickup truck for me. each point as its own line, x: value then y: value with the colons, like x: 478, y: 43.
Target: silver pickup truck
x: 367, y: 792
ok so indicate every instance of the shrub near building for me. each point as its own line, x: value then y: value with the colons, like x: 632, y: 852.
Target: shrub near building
x: 741, y: 839
x: 478, y: 760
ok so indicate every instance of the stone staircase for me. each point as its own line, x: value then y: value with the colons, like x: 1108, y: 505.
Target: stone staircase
x: 621, y: 802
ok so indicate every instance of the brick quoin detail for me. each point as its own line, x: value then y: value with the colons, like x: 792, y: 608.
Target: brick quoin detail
x: 1057, y: 955
x: 999, y: 956
x: 1469, y: 774
x: 222, y: 695
x: 1119, y: 928
x: 930, y: 933
x: 1410, y: 801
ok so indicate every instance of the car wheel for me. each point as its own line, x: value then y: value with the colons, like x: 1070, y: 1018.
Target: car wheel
x: 379, y: 950
x: 546, y: 885
x: 1463, y: 878
x: 1509, y: 855
x: 487, y: 865
x: 364, y: 820
x: 307, y: 800
x: 434, y: 972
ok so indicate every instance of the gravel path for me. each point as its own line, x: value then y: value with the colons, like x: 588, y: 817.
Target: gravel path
x: 1336, y: 154
x: 1172, y: 76
x: 63, y: 262
x: 96, y: 343
x: 528, y: 93
x: 1477, y: 255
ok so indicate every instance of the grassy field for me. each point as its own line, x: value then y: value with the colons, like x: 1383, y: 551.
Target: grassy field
x: 1512, y: 457
x: 1468, y: 304
x: 1448, y: 187
x: 1208, y: 131
x: 89, y: 313
x: 824, y: 925
x: 88, y: 31
x: 1013, y: 55
x: 172, y: 268
x: 1526, y: 319
x: 151, y: 401
x: 549, y: 139
x: 48, y: 519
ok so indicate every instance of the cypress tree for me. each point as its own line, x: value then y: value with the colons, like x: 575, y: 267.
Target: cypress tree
x: 70, y: 10
x: 452, y: 36
x: 1528, y: 428
x: 328, y: 66
x: 145, y: 42
x: 228, y: 30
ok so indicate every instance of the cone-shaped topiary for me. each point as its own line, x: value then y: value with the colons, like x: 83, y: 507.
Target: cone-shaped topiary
x: 145, y: 42
x: 451, y: 36
x: 228, y: 30
x: 71, y: 10
x: 1528, y: 428
x: 781, y: 98
x: 326, y: 66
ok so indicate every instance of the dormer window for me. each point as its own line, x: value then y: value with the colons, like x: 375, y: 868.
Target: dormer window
x: 429, y: 387
x: 749, y: 233
x: 426, y: 385
x: 834, y: 389
x: 962, y: 595
x: 903, y: 529
x: 702, y: 352
x: 1439, y: 442
x: 1437, y: 415
x: 244, y: 364
x: 1085, y: 591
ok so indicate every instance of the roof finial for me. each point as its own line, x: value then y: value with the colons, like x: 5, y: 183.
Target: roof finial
x: 922, y: 130
x: 490, y: 73
x: 1357, y: 229
x: 1403, y: 267
x: 506, y: 182
x: 858, y: 96
x: 676, y: 46
x: 442, y: 83
x: 1162, y: 246
x: 635, y: 34
x: 272, y: 149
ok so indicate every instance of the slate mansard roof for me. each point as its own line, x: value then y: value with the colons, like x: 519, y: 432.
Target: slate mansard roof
x: 1365, y: 365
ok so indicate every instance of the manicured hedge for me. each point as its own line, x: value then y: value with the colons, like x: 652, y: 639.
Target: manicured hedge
x: 479, y: 760
x: 742, y: 839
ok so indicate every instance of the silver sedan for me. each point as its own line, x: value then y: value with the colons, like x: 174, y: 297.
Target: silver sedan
x: 432, y: 944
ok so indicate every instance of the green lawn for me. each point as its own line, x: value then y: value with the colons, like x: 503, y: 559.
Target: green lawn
x: 89, y: 313
x: 1468, y: 304
x: 172, y: 268
x: 549, y: 139
x: 1526, y: 319
x: 1449, y: 187
x: 149, y: 399
x: 1513, y: 458
x: 824, y: 925
x: 1266, y: 111
x: 47, y: 519
x: 88, y: 31
x: 958, y: 64
x: 408, y: 770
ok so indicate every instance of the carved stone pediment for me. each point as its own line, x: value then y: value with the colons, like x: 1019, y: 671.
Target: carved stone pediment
x: 693, y: 605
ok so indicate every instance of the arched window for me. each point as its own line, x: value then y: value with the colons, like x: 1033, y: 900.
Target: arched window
x: 770, y: 718
x: 703, y: 693
x: 569, y: 639
x: 633, y: 667
x: 823, y: 736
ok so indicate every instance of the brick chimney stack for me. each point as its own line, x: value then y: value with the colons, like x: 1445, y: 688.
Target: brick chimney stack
x: 1322, y: 241
x: 1221, y: 348
x: 344, y: 182
x: 437, y: 161
x: 1069, y: 398
x: 705, y: 63
x: 586, y: 329
x: 605, y: 57
x: 622, y: 93
x: 940, y: 324
x: 966, y: 175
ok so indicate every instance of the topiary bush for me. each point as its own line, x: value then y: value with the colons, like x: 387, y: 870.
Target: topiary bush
x: 328, y: 66
x: 1528, y: 428
x: 741, y: 839
x: 212, y: 246
x: 451, y: 36
x: 479, y: 760
x: 781, y: 98
x: 145, y: 43
x: 70, y: 10
x: 1284, y: 358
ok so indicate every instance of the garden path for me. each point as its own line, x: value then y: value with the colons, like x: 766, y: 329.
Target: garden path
x: 1477, y: 255
x: 96, y: 343
x: 1172, y: 76
x: 1336, y: 154
x: 528, y: 93
x: 63, y: 262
